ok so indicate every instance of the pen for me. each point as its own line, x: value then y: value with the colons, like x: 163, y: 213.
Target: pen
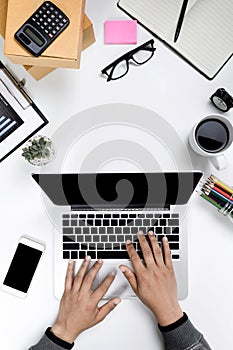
x: 180, y: 20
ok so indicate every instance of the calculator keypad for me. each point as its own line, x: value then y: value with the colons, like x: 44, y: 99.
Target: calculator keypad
x: 50, y: 20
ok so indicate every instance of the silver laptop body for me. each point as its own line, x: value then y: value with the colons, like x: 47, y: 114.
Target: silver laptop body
x: 101, y: 230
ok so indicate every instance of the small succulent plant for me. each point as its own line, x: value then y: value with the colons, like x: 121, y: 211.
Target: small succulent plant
x: 37, y: 149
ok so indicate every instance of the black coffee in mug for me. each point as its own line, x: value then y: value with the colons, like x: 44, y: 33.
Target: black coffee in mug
x: 212, y: 135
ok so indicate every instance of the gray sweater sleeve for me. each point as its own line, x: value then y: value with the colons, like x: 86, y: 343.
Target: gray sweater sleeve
x: 50, y: 341
x: 46, y: 344
x: 184, y: 337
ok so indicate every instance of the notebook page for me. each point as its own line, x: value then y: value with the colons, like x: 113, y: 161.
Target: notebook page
x: 159, y: 16
x: 206, y: 37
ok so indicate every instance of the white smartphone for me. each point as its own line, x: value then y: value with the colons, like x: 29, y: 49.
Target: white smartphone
x: 23, y: 267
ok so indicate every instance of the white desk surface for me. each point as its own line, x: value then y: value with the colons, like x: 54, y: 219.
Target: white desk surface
x: 173, y: 89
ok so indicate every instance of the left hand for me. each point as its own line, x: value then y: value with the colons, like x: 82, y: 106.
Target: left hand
x: 79, y: 309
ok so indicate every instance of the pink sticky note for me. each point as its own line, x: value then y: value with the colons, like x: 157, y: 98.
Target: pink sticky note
x: 120, y: 32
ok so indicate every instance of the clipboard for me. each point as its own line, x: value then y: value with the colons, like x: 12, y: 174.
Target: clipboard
x: 20, y: 118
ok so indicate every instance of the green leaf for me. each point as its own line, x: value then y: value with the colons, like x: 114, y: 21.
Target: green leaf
x: 42, y: 141
x: 35, y: 152
x: 48, y: 144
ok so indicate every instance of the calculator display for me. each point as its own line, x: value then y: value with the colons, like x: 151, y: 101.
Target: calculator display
x: 34, y: 37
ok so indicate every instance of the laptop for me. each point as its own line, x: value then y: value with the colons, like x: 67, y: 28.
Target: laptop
x: 100, y: 211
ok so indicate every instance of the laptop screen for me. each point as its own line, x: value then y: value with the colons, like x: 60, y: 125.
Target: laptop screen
x: 119, y: 190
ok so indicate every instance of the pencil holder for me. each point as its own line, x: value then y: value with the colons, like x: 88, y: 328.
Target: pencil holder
x: 218, y: 194
x: 228, y: 210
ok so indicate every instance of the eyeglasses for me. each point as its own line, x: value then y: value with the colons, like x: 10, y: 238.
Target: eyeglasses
x: 139, y: 56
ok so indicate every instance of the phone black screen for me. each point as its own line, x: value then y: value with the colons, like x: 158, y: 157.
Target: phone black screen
x: 22, y: 267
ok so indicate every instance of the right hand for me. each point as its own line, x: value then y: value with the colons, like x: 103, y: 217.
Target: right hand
x: 154, y: 280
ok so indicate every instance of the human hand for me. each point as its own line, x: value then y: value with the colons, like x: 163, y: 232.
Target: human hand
x: 79, y: 309
x: 154, y: 280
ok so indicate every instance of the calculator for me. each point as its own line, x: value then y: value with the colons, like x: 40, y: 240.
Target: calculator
x: 42, y: 28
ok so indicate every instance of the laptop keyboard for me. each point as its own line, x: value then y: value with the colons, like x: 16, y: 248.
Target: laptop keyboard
x: 103, y: 235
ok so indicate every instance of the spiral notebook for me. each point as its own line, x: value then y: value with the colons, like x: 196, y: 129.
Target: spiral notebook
x: 205, y: 40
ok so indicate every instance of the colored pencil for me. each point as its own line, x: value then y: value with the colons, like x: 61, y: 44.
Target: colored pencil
x: 216, y: 188
x: 219, y: 195
x: 221, y: 184
x: 215, y: 198
x: 210, y: 200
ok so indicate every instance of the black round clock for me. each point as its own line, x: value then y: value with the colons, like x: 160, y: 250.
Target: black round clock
x: 222, y: 100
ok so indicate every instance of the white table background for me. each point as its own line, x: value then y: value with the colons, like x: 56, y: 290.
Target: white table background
x: 173, y: 89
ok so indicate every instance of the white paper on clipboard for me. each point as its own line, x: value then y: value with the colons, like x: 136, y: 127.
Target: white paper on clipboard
x: 7, y: 84
x: 20, y: 118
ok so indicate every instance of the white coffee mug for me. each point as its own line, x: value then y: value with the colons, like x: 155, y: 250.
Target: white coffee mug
x: 217, y: 157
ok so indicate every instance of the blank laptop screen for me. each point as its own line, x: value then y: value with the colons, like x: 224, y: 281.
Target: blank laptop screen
x: 119, y: 190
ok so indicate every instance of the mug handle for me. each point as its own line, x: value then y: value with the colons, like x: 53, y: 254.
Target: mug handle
x: 219, y: 162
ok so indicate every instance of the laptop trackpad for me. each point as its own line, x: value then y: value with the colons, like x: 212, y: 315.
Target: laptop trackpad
x: 120, y: 286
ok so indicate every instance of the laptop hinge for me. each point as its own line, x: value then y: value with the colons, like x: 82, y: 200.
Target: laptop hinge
x: 78, y: 208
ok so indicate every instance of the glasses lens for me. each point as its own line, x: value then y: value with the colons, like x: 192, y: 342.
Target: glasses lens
x: 142, y: 56
x: 119, y: 70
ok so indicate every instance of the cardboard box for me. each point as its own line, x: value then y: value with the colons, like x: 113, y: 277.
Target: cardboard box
x: 3, y: 12
x: 88, y: 33
x: 64, y: 52
x: 88, y: 39
x: 40, y: 72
